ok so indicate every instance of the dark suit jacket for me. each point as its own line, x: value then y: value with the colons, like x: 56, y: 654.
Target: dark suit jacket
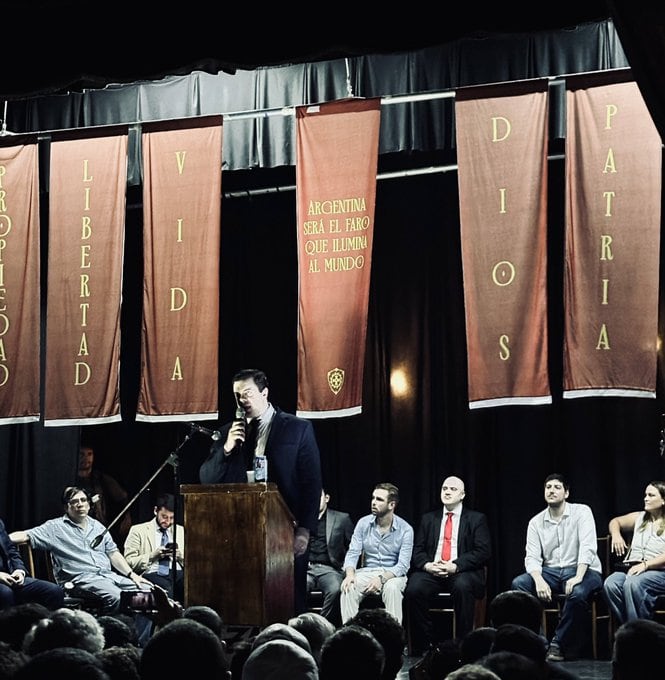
x: 294, y: 464
x: 10, y: 558
x: 339, y: 529
x: 474, y: 548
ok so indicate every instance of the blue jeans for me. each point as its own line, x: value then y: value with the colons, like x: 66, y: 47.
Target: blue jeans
x: 633, y: 597
x: 572, y: 631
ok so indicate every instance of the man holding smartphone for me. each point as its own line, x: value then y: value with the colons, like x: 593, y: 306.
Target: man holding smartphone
x: 149, y: 548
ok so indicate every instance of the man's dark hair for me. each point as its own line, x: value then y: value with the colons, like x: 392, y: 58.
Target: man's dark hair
x: 255, y: 374
x: 205, y: 615
x: 352, y: 653
x: 511, y: 637
x: 393, y: 491
x: 639, y: 649
x: 516, y: 606
x: 559, y: 478
x: 166, y: 501
x: 390, y: 634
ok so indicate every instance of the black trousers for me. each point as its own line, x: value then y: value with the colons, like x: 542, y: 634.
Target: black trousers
x: 421, y: 587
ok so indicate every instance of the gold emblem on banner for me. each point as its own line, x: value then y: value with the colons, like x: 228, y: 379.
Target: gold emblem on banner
x: 336, y: 380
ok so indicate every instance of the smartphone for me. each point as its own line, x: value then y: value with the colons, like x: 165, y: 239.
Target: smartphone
x: 137, y: 600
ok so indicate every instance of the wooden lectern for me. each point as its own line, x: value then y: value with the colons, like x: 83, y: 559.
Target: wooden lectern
x: 239, y: 557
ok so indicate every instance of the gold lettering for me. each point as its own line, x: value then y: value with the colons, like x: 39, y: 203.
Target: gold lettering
x: 337, y: 206
x: 503, y: 273
x: 4, y: 375
x: 86, y: 176
x: 610, y: 165
x: 3, y: 291
x: 86, y: 229
x: 606, y: 286
x: 84, y: 307
x: 5, y: 224
x: 3, y: 355
x: 180, y: 161
x: 496, y: 137
x: 343, y: 264
x: 81, y: 373
x: 605, y: 247
x: 177, y: 305
x: 83, y: 345
x: 179, y: 231
x: 3, y: 172
x: 314, y: 247
x: 86, y: 200
x: 85, y: 254
x: 502, y: 201
x: 609, y: 195
x: 504, y: 347
x: 610, y: 111
x: 603, y: 338
x: 177, y: 370
x: 4, y: 324
x: 84, y: 290
x: 3, y: 205
x: 314, y: 267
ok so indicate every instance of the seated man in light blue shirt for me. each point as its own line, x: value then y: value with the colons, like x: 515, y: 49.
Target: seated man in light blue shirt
x: 562, y: 559
x: 83, y: 551
x: 386, y: 542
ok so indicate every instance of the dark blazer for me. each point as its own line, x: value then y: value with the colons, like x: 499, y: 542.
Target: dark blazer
x: 10, y: 558
x: 474, y: 547
x: 339, y: 529
x: 294, y: 464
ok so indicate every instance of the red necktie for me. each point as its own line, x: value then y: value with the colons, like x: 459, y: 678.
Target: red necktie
x: 447, y: 535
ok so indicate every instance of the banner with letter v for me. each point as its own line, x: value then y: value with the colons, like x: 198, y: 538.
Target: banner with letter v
x: 336, y: 163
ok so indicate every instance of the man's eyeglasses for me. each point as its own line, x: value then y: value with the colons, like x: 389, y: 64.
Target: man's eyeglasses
x: 77, y: 501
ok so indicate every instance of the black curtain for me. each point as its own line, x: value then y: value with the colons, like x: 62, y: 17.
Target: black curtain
x: 608, y: 447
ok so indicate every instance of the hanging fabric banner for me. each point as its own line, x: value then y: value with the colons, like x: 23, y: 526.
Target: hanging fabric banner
x: 19, y: 284
x: 88, y: 178
x: 502, y: 176
x: 182, y: 185
x: 613, y: 199
x: 336, y: 163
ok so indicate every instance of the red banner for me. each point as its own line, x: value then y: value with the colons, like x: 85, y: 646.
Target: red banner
x: 180, y: 334
x: 86, y: 232
x: 336, y: 162
x: 502, y: 175
x: 19, y: 284
x: 613, y: 182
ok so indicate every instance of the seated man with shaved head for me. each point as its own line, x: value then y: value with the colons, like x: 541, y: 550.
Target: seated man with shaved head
x: 451, y: 549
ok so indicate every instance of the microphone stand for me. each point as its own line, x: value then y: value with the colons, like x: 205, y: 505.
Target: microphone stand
x: 171, y: 459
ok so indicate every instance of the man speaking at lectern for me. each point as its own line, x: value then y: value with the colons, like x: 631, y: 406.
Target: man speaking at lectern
x: 289, y: 448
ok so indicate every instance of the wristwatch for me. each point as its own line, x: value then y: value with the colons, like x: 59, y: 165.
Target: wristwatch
x: 383, y: 579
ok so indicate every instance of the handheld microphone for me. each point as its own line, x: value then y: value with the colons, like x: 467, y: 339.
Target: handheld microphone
x: 213, y: 434
x: 240, y: 416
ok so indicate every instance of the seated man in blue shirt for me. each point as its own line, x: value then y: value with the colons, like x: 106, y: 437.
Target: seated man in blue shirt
x: 93, y: 565
x: 386, y: 542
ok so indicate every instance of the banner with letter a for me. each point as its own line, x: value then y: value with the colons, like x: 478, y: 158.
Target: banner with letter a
x: 182, y: 185
x: 336, y: 162
x: 613, y: 207
x: 88, y: 178
x: 19, y: 284
x: 502, y: 175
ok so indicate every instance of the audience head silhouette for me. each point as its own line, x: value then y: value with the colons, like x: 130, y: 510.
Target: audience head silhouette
x: 65, y: 628
x: 180, y: 647
x: 390, y: 634
x: 279, y: 659
x: 316, y: 628
x: 516, y: 606
x: 352, y: 653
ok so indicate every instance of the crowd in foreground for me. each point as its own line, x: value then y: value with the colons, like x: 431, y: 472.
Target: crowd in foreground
x: 37, y: 643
